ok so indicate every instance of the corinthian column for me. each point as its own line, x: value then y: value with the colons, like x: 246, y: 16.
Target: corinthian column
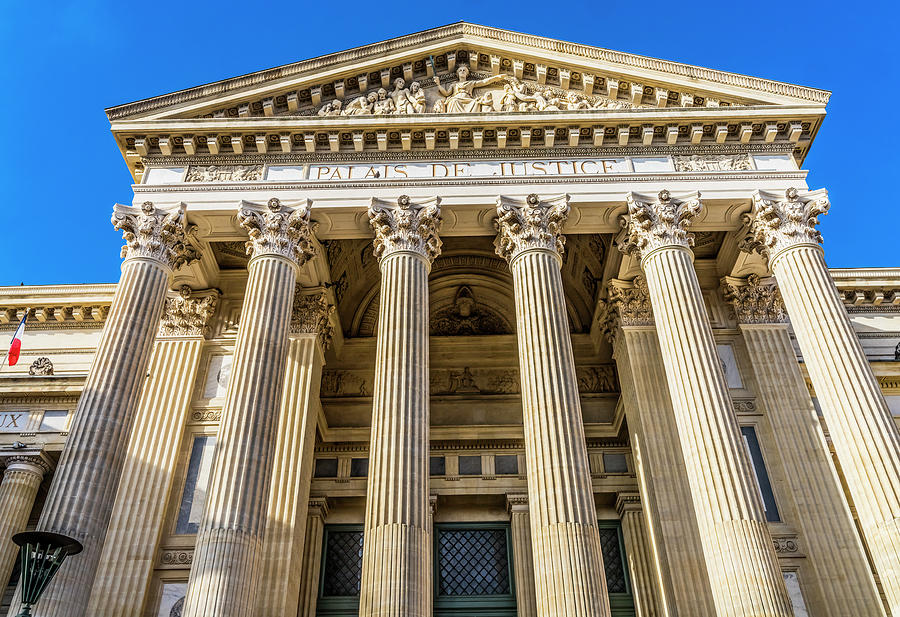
x: 289, y: 496
x: 396, y: 547
x: 123, y: 577
x: 23, y: 476
x: 831, y: 541
x: 226, y: 571
x: 865, y: 437
x: 84, y: 486
x: 740, y: 559
x: 568, y: 561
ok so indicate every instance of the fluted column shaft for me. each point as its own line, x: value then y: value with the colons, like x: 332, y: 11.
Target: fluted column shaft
x: 312, y: 557
x: 565, y: 538
x: 394, y: 567
x: 865, y: 437
x: 131, y: 546
x: 665, y: 490
x: 832, y: 543
x: 286, y: 523
x: 639, y: 551
x: 226, y: 572
x: 744, y: 575
x: 21, y: 480
x: 523, y: 557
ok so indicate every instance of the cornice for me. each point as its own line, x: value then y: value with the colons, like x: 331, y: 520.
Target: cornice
x: 474, y: 33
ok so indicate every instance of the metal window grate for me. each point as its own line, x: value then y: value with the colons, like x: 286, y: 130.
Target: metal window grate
x: 343, y: 563
x: 612, y: 560
x: 473, y: 562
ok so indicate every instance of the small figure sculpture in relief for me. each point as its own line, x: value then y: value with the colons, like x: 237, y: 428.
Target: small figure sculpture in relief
x: 897, y: 353
x: 326, y: 109
x: 361, y: 105
x: 416, y: 99
x: 383, y: 105
x: 460, y: 98
x: 575, y: 101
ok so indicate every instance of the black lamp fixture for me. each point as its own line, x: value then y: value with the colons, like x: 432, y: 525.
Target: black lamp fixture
x: 42, y: 553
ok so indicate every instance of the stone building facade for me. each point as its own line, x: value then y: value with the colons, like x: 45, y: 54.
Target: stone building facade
x: 464, y: 323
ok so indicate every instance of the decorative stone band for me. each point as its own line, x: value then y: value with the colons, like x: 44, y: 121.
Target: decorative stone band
x: 627, y: 304
x: 530, y: 224
x: 55, y: 316
x: 406, y: 227
x: 37, y: 464
x: 779, y: 222
x: 755, y: 300
x: 311, y: 314
x: 156, y: 233
x: 658, y: 222
x: 276, y: 229
x: 189, y: 313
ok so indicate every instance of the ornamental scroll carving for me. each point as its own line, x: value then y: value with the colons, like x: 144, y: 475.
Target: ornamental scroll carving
x: 780, y: 222
x: 155, y: 233
x: 656, y: 223
x: 407, y: 226
x: 278, y: 230
x: 311, y: 314
x: 189, y: 314
x: 721, y: 162
x: 754, y: 301
x: 224, y: 173
x: 468, y: 93
x: 530, y: 224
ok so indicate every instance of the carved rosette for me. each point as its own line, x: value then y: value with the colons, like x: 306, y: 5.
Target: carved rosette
x: 276, y: 229
x: 532, y: 224
x: 406, y: 227
x: 311, y: 314
x: 755, y: 301
x: 781, y: 222
x: 627, y: 304
x: 655, y: 223
x: 189, y: 313
x: 155, y: 233
x: 41, y: 367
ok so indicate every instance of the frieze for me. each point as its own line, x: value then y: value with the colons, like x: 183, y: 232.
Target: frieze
x: 206, y: 415
x: 744, y: 405
x: 721, y: 162
x: 176, y: 558
x: 786, y: 545
x: 224, y: 173
x: 338, y: 383
x: 56, y: 317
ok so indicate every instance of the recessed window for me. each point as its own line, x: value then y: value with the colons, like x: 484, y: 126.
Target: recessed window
x: 359, y: 467
x: 473, y: 562
x: 470, y: 465
x: 760, y: 475
x: 613, y: 560
x: 193, y: 498
x: 54, y: 421
x: 615, y: 463
x: 326, y: 468
x: 217, y: 375
x: 171, y: 602
x: 342, y: 569
x: 506, y: 465
x: 437, y: 466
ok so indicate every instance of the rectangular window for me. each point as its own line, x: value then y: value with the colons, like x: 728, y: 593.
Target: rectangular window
x: 506, y: 465
x: 171, y: 604
x: 54, y: 421
x: 437, y: 466
x: 342, y: 564
x: 359, y: 467
x: 217, y: 376
x: 615, y: 463
x: 612, y: 545
x: 326, y: 468
x: 751, y: 443
x: 729, y: 366
x: 193, y: 498
x: 470, y: 465
x: 792, y: 582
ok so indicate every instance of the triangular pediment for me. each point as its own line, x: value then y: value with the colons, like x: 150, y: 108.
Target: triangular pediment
x: 504, y: 72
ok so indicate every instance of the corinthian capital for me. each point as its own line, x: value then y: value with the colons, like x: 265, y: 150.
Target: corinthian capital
x: 532, y: 223
x: 779, y: 222
x: 406, y: 227
x: 627, y: 304
x: 311, y: 314
x: 155, y: 233
x: 658, y: 222
x: 755, y: 300
x: 276, y: 229
x: 189, y: 313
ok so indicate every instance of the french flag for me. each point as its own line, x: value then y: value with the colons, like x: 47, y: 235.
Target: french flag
x: 15, y: 347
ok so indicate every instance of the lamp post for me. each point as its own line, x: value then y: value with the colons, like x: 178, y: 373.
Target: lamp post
x: 42, y: 554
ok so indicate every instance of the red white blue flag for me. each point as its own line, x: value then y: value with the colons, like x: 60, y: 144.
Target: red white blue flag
x: 15, y: 347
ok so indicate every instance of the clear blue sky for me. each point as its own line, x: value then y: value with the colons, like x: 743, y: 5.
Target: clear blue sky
x: 61, y: 65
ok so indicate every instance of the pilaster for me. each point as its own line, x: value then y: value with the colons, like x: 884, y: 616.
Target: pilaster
x: 865, y: 436
x: 316, y: 513
x: 523, y: 559
x: 639, y: 550
x: 740, y: 560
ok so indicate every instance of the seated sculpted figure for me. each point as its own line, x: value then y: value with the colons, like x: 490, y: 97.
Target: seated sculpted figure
x: 460, y: 97
x: 361, y: 105
x: 575, y: 101
x: 383, y: 104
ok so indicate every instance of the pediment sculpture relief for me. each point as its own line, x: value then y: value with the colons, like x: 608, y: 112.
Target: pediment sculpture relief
x: 468, y: 94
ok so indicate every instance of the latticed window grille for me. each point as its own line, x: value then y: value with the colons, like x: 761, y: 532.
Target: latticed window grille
x: 473, y: 562
x: 612, y: 560
x: 343, y: 563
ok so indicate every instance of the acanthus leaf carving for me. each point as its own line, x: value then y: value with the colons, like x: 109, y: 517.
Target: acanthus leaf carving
x: 406, y: 227
x: 627, y: 304
x: 155, y: 233
x: 754, y: 301
x: 311, y: 314
x: 656, y: 223
x: 780, y: 222
x: 278, y: 230
x: 715, y: 162
x: 189, y: 313
x: 530, y: 224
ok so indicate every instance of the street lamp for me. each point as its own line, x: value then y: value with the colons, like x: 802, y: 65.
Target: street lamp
x: 42, y: 554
